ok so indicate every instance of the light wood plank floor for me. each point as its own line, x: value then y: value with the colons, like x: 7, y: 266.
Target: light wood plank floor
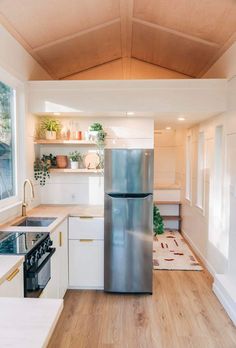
x: 182, y: 312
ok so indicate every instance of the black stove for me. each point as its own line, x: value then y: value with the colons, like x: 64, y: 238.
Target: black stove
x: 20, y: 243
x: 37, y: 249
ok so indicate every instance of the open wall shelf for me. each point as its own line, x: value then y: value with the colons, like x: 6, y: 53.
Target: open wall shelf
x: 64, y: 142
x: 80, y: 171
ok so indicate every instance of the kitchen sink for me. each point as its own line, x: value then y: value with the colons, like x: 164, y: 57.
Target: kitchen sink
x: 31, y: 221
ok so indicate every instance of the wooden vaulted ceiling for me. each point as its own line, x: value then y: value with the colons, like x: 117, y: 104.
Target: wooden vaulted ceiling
x: 67, y: 37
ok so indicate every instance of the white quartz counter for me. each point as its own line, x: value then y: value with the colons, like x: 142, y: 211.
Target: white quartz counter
x: 7, y: 265
x: 28, y: 323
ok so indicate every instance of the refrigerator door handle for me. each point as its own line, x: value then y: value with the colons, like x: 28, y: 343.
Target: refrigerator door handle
x: 129, y: 196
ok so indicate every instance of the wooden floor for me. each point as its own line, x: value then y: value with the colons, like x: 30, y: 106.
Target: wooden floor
x: 182, y: 312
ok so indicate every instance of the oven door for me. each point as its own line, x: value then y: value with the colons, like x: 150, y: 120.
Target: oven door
x: 37, y: 276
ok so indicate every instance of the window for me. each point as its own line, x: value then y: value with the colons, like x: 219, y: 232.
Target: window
x: 7, y: 142
x: 218, y: 171
x: 188, y: 168
x: 200, y: 171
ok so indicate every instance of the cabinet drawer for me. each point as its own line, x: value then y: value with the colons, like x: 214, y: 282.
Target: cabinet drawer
x: 86, y: 228
x: 13, y: 286
x: 86, y: 264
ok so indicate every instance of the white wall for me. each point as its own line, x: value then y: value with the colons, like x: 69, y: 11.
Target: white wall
x: 199, y: 225
x: 157, y: 96
x: 16, y: 67
x: 169, y: 157
x: 225, y: 66
x: 17, y: 61
x: 89, y: 189
x: 216, y: 245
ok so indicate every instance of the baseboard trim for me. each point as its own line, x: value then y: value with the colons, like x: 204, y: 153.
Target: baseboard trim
x: 85, y: 287
x: 225, y: 303
x: 199, y: 254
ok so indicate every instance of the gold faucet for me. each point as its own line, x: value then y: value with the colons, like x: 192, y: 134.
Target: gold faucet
x: 24, y: 204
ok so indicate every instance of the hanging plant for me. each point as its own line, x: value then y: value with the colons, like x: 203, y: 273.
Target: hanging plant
x: 41, y: 170
x: 158, y: 224
x: 101, y: 137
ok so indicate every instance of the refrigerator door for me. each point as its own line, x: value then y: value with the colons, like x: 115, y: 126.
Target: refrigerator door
x: 128, y: 243
x: 128, y: 171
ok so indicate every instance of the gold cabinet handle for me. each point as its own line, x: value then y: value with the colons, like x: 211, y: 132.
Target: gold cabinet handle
x: 86, y: 240
x: 86, y: 217
x: 13, y: 274
x: 60, y: 239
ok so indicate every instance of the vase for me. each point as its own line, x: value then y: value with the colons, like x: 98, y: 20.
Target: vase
x: 51, y: 135
x: 62, y: 161
x: 74, y: 165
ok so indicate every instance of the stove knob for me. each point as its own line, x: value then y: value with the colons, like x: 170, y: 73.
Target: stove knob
x: 50, y: 242
x: 45, y: 247
x: 31, y: 260
x: 37, y: 255
x: 41, y: 251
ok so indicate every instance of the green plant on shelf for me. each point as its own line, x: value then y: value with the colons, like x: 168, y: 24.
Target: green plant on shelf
x: 42, y: 166
x: 96, y: 127
x: 50, y: 125
x: 75, y: 156
x: 41, y: 170
x: 158, y: 224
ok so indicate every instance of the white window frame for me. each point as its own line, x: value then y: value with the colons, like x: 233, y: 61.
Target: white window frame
x: 188, y: 169
x: 200, y: 197
x: 218, y: 174
x: 18, y: 129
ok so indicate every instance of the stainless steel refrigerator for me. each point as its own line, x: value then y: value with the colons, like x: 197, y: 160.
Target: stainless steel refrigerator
x: 128, y: 182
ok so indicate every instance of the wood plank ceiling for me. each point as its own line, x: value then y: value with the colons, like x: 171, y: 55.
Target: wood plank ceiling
x: 67, y: 37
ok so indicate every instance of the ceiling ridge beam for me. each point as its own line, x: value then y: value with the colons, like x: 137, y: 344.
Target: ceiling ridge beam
x: 126, y: 14
x: 175, y: 32
x: 78, y: 34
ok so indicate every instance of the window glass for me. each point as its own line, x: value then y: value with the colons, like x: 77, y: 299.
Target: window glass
x: 188, y: 168
x: 7, y: 165
x: 200, y: 171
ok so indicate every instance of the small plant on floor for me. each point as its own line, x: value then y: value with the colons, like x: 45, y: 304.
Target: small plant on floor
x: 158, y: 225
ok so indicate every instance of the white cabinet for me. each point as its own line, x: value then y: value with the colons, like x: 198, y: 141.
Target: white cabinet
x: 58, y: 284
x: 13, y: 286
x: 86, y: 253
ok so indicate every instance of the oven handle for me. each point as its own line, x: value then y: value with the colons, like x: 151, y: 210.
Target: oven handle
x: 52, y: 251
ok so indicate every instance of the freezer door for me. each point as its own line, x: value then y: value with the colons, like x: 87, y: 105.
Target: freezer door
x: 128, y: 244
x: 128, y: 171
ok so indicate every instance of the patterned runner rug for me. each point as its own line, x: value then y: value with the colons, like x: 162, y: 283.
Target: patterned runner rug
x: 171, y: 252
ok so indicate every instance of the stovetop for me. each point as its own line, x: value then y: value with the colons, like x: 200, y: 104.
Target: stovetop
x: 19, y: 243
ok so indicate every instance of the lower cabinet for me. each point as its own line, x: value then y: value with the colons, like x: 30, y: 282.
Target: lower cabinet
x: 13, y: 286
x: 86, y: 253
x: 86, y: 264
x: 58, y: 284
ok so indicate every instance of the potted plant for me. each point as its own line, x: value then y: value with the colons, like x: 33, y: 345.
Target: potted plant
x: 93, y: 131
x: 158, y: 225
x: 97, y: 134
x: 75, y: 157
x: 50, y: 127
x: 41, y: 170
